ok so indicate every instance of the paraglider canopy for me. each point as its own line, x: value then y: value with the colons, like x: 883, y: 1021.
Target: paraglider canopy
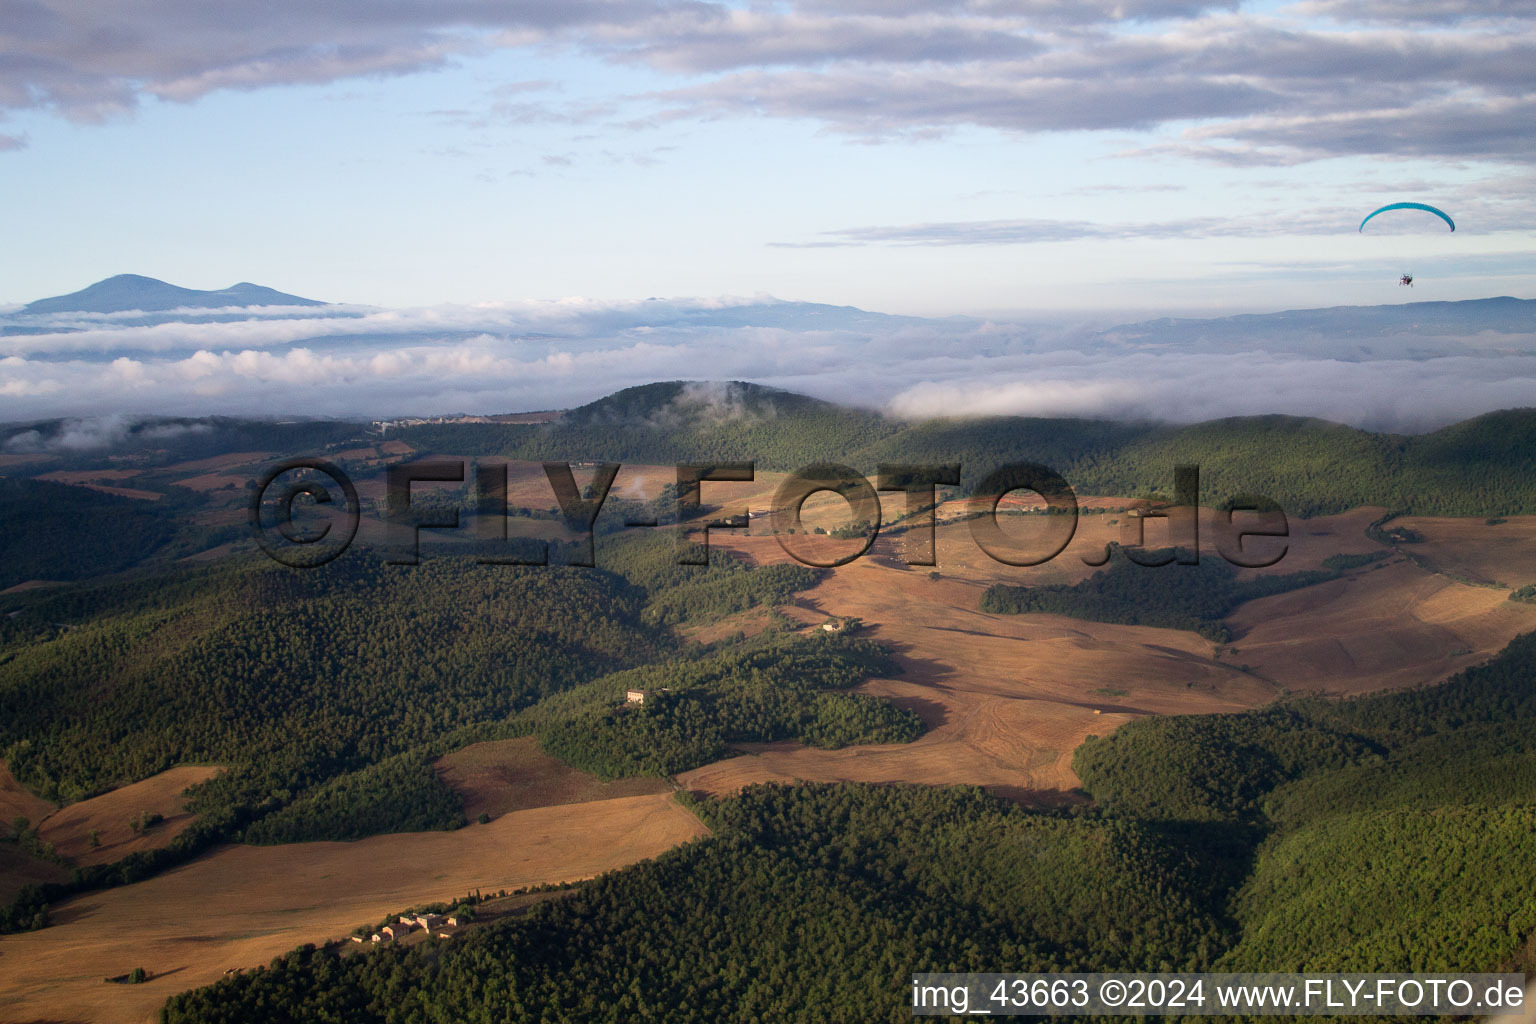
x: 1410, y: 206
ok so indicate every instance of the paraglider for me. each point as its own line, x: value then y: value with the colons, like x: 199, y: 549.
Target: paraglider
x: 1407, y: 279
x: 1409, y: 206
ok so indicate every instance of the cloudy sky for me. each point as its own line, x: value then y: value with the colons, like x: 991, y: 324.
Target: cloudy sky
x: 913, y: 156
x: 498, y: 189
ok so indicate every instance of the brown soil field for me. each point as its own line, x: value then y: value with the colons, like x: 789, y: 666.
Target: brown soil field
x: 1309, y: 543
x: 528, y: 485
x: 375, y: 484
x: 82, y: 476
x: 1501, y: 555
x: 358, y: 453
x: 69, y: 828
x: 1006, y: 698
x: 216, y: 516
x: 213, y: 481
x: 501, y: 776
x: 18, y: 870
x: 217, y: 552
x: 126, y: 492
x: 14, y: 459
x: 216, y: 462
x: 18, y: 801
x: 88, y: 478
x: 396, y: 448
x: 240, y: 906
x: 1382, y: 627
x: 21, y: 588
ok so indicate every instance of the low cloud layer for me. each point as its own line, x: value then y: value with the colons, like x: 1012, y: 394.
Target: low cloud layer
x: 500, y: 358
x: 1406, y: 396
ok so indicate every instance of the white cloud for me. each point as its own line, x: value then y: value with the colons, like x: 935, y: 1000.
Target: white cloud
x: 519, y: 356
x: 1324, y: 78
x: 1392, y: 395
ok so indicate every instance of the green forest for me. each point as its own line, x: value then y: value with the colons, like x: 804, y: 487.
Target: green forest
x: 1484, y: 466
x: 1383, y: 833
x: 769, y: 689
x: 326, y: 693
x: 1177, y: 596
x: 57, y: 532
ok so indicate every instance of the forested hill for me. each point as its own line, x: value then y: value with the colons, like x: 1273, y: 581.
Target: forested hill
x: 326, y: 694
x: 1483, y: 466
x: 1384, y: 834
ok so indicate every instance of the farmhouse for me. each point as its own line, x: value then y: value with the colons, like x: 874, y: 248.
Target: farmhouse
x: 429, y: 921
x: 634, y: 696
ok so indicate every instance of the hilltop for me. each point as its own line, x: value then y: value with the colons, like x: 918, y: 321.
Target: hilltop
x: 1481, y: 466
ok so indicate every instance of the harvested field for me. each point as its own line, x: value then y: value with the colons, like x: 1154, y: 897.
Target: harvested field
x: 240, y: 906
x: 22, y: 588
x: 17, y: 459
x: 501, y: 776
x: 111, y: 815
x: 217, y: 552
x: 217, y: 462
x: 1503, y: 554
x: 1309, y: 543
x: 126, y: 492
x: 214, y: 481
x: 528, y: 485
x: 16, y: 801
x: 84, y: 476
x: 1006, y: 698
x: 91, y: 478
x: 18, y: 870
x: 1376, y: 629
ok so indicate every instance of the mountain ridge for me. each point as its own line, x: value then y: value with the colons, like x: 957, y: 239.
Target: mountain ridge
x: 125, y: 292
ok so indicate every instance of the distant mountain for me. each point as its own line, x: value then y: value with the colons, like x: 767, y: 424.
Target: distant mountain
x: 131, y: 291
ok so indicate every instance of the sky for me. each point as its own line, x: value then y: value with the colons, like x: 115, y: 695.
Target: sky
x: 982, y: 157
x: 522, y: 204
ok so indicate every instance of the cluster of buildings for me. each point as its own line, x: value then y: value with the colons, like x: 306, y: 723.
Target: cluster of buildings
x: 443, y: 926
